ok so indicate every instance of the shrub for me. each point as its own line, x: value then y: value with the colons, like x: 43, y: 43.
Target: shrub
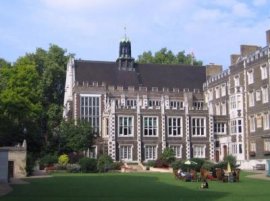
x: 177, y: 164
x: 151, y: 163
x: 74, y: 157
x: 116, y: 166
x: 231, y: 159
x: 73, y: 168
x: 161, y: 163
x: 30, y: 164
x: 208, y: 165
x: 168, y: 155
x: 88, y: 164
x: 104, y: 163
x: 48, y: 160
x: 63, y: 160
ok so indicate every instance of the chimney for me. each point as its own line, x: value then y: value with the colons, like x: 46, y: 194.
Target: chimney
x: 213, y: 69
x: 234, y: 58
x: 268, y: 37
x: 248, y: 49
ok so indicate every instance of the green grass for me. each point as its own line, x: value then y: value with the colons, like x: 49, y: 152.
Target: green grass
x: 135, y: 187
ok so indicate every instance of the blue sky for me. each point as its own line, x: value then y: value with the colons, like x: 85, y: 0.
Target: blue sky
x: 92, y: 29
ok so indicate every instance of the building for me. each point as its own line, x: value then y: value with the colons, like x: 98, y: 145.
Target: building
x: 238, y: 99
x: 137, y: 110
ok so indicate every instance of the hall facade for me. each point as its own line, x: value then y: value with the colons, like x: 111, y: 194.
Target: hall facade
x: 137, y: 110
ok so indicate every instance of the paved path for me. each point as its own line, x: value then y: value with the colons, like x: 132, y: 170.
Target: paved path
x: 259, y: 175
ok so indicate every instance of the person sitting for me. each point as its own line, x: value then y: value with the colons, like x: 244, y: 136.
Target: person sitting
x: 204, y: 184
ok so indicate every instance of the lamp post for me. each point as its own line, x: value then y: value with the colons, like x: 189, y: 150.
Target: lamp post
x: 24, y: 132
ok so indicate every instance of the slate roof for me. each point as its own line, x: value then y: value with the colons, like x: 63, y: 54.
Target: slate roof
x: 145, y: 75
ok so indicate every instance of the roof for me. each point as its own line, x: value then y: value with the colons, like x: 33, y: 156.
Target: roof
x: 145, y: 75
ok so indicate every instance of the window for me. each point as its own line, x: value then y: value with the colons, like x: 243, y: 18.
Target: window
x: 234, y: 148
x: 252, y: 124
x: 220, y: 127
x: 251, y: 99
x: 233, y: 102
x: 125, y: 152
x: 258, y: 95
x: 217, y: 91
x: 125, y: 126
x: 131, y: 102
x: 199, y: 151
x: 223, y: 90
x: 93, y: 152
x: 253, y: 146
x: 152, y: 103
x: 177, y: 149
x: 210, y: 92
x: 223, y: 108
x: 250, y: 77
x: 240, y: 149
x: 259, y: 121
x: 176, y: 104
x: 198, y: 105
x: 236, y: 81
x: 150, y: 126
x: 174, y: 126
x: 90, y: 110
x: 150, y: 152
x: 217, y: 109
x: 236, y: 126
x: 263, y: 72
x: 266, y: 122
x: 267, y: 145
x: 265, y: 94
x: 198, y: 126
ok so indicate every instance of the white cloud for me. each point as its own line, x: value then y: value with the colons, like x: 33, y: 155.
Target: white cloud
x: 83, y: 4
x: 242, y: 10
x: 259, y: 2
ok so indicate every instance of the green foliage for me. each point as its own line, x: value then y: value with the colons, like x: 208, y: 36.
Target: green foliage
x: 104, y: 163
x: 48, y: 160
x: 73, y: 168
x: 75, y: 137
x: 30, y: 164
x: 31, y: 96
x: 151, y: 163
x: 208, y: 165
x: 177, y: 164
x: 116, y: 165
x: 88, y: 164
x: 231, y: 159
x: 63, y: 159
x: 164, y: 56
x: 168, y: 155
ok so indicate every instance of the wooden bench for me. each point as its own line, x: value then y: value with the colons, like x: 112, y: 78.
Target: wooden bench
x: 259, y: 167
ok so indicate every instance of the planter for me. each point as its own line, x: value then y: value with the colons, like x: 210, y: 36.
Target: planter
x: 266, y: 153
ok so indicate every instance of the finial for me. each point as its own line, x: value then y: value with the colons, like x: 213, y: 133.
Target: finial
x: 125, y: 29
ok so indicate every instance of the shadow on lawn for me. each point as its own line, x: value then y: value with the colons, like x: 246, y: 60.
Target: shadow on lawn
x: 108, y: 187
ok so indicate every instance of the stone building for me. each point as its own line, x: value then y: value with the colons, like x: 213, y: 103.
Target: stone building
x: 243, y: 90
x: 137, y: 110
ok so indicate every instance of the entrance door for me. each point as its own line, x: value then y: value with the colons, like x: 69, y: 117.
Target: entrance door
x: 217, y: 156
x: 225, y: 150
x: 10, y: 169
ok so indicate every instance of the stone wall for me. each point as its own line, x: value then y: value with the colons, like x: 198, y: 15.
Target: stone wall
x: 3, y: 165
x: 18, y: 155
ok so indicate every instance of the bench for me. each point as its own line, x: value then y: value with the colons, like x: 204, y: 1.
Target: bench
x: 259, y: 167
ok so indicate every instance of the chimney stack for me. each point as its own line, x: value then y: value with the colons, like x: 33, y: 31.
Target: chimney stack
x: 248, y: 49
x: 234, y: 58
x: 268, y: 37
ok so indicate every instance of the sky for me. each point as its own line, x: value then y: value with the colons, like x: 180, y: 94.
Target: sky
x: 92, y: 29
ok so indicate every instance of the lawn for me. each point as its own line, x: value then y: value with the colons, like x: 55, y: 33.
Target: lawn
x: 135, y: 187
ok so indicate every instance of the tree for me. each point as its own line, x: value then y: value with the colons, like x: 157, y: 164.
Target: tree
x: 73, y: 136
x: 164, y: 56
